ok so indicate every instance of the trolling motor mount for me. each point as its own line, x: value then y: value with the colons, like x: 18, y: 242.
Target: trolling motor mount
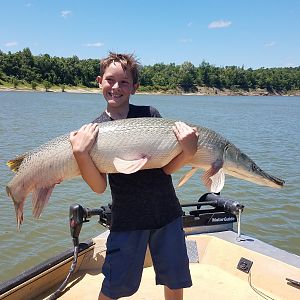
x: 213, y: 213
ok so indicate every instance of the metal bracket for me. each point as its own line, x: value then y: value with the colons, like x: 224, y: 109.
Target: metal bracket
x: 293, y: 282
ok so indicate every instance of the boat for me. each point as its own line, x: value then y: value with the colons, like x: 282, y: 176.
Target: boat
x: 223, y: 262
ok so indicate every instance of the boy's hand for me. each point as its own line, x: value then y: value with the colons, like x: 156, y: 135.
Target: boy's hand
x: 83, y: 139
x: 187, y: 138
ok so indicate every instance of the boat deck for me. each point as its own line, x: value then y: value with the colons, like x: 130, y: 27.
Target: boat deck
x: 213, y: 263
x: 209, y: 282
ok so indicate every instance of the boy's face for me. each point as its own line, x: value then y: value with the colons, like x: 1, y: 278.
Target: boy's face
x: 117, y: 85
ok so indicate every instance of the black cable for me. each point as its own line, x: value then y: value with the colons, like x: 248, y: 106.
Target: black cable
x: 260, y: 293
x: 60, y: 290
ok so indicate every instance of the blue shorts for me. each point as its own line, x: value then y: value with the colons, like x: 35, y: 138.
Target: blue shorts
x: 125, y: 257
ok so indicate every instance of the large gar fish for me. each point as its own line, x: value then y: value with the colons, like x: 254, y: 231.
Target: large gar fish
x: 127, y: 146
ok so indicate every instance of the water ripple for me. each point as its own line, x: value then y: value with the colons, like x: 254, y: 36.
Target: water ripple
x: 258, y: 125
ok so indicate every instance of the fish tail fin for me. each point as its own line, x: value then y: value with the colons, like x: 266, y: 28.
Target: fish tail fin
x: 40, y: 197
x: 14, y: 164
x: 19, y: 206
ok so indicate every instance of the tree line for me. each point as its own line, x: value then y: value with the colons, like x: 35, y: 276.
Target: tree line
x: 24, y: 67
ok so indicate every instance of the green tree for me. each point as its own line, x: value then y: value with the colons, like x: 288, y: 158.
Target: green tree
x: 187, y: 75
x: 25, y: 67
x: 15, y: 82
x: 47, y: 85
x: 34, y: 85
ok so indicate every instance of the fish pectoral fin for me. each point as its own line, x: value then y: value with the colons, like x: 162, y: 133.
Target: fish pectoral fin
x: 40, y: 197
x: 186, y: 176
x: 129, y: 166
x: 218, y: 181
x: 214, y: 178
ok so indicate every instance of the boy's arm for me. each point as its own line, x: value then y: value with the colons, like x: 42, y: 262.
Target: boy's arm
x: 82, y: 142
x: 188, y: 139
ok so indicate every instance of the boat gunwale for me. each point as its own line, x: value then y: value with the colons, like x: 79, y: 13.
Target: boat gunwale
x: 28, y: 274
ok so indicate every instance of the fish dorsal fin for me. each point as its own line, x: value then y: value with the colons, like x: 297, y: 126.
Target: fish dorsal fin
x: 214, y: 177
x: 14, y: 164
x: 186, y: 176
x: 129, y: 166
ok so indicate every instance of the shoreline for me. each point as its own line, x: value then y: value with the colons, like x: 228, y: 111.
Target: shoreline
x: 202, y: 91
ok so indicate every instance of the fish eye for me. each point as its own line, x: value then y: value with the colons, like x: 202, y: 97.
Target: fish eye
x: 254, y: 167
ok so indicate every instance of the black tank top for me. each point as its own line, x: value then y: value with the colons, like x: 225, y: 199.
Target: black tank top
x: 145, y: 199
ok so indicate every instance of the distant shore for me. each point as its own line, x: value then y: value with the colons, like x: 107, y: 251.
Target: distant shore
x: 202, y: 91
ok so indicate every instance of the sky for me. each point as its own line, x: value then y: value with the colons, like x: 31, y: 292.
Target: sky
x: 249, y: 33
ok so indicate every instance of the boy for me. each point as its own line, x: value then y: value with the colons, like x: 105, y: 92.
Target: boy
x: 145, y: 209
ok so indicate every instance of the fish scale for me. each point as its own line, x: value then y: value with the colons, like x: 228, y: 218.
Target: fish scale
x: 134, y: 138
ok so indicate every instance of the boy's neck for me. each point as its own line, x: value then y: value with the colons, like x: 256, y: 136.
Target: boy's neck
x: 117, y: 113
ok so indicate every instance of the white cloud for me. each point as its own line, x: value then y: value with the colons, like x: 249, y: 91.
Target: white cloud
x: 185, y: 41
x: 98, y: 44
x: 65, y: 13
x: 270, y: 44
x: 219, y: 24
x: 11, y: 44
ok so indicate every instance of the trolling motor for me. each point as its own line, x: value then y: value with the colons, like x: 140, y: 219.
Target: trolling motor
x: 79, y: 215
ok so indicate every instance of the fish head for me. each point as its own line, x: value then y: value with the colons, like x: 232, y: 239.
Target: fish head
x: 238, y: 164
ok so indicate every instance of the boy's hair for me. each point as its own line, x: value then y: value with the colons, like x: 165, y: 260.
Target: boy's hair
x: 127, y: 61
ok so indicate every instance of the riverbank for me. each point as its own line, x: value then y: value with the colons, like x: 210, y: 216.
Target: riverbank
x: 202, y: 91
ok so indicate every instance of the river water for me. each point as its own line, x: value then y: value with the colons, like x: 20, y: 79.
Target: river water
x: 266, y: 128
